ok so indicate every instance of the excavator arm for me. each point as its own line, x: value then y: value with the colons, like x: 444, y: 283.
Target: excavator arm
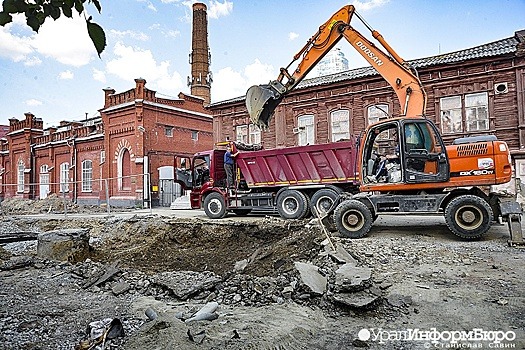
x: 262, y: 100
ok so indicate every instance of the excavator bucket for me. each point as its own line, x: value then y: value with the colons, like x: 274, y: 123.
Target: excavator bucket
x: 261, y: 101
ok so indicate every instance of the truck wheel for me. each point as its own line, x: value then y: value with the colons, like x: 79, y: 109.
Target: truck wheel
x: 322, y: 200
x: 214, y: 206
x: 353, y: 219
x: 468, y: 216
x: 292, y: 204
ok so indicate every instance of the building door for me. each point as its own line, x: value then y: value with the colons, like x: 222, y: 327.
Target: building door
x: 44, y: 182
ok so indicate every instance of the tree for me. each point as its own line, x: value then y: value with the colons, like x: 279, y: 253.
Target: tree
x: 37, y: 11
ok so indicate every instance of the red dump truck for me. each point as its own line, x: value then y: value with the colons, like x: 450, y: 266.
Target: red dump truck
x: 290, y: 181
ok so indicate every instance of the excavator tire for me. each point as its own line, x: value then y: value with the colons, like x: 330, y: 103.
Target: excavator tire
x: 215, y: 206
x: 292, y: 204
x: 353, y: 219
x: 468, y: 216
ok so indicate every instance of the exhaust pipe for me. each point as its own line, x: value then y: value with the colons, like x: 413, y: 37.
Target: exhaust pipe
x: 261, y: 101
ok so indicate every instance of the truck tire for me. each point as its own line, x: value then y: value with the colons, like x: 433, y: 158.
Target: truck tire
x: 292, y: 204
x: 215, y: 206
x: 353, y: 219
x: 322, y: 200
x: 468, y: 216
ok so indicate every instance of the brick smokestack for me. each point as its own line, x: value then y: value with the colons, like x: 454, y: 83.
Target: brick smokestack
x: 201, y: 77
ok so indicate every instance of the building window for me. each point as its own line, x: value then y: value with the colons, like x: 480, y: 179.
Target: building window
x: 451, y: 114
x: 306, y: 135
x: 102, y: 156
x: 475, y: 111
x: 377, y: 113
x: 241, y: 133
x: 20, y: 176
x: 340, y: 125
x: 255, y: 134
x: 64, y: 177
x: 195, y: 135
x: 168, y: 131
x: 87, y: 176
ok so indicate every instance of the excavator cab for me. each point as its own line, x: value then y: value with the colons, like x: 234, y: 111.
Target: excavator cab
x: 404, y: 150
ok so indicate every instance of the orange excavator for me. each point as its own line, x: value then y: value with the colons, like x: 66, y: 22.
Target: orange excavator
x: 420, y: 175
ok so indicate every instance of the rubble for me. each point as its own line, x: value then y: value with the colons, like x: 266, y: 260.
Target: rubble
x: 265, y: 283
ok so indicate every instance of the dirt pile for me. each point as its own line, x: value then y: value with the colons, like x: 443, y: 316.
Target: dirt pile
x: 277, y: 284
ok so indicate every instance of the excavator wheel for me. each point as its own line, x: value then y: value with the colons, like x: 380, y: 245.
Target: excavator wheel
x: 292, y: 204
x: 353, y: 219
x: 215, y: 206
x: 468, y: 216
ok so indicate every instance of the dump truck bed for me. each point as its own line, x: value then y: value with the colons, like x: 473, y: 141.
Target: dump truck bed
x: 330, y: 163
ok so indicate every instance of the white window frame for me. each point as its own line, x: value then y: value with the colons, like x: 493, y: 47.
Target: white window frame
x: 477, y: 114
x: 64, y: 177
x: 254, y: 134
x: 20, y: 171
x: 195, y: 135
x: 87, y: 176
x: 168, y: 131
x: 340, y: 124
x: 451, y: 114
x: 102, y: 157
x: 306, y: 135
x: 241, y: 133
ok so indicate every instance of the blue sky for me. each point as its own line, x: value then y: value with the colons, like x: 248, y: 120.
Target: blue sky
x: 57, y: 75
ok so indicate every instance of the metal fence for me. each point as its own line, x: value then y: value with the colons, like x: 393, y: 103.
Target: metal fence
x: 108, y: 192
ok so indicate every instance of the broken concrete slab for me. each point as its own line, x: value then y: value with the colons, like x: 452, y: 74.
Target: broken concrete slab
x: 184, y: 284
x: 341, y: 255
x: 64, y: 245
x: 358, y: 300
x: 351, y: 278
x: 311, y: 277
x: 120, y: 288
x: 102, y: 275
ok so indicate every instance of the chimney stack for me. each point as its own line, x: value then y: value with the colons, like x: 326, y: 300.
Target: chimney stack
x: 201, y: 77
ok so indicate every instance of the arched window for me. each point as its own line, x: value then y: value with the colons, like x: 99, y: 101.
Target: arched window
x: 20, y: 176
x: 64, y: 177
x: 377, y: 113
x: 87, y: 176
x: 124, y: 170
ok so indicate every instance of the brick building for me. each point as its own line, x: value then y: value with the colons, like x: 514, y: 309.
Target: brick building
x: 476, y: 91
x: 106, y: 157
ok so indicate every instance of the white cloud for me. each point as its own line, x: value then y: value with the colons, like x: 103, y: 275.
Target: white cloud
x: 172, y: 33
x: 152, y: 7
x: 99, y: 75
x: 14, y: 47
x: 367, y: 5
x: 132, y: 34
x: 65, y: 40
x: 292, y: 36
x: 66, y: 75
x: 32, y: 61
x: 33, y: 102
x: 131, y: 63
x: 228, y: 83
x: 218, y: 9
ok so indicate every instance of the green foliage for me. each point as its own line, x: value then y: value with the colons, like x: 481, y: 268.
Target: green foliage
x: 37, y: 11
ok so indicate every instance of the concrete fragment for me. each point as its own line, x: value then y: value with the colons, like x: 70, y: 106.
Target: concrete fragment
x: 120, y: 288
x: 17, y: 262
x: 341, y: 255
x: 207, y: 312
x: 350, y: 278
x: 358, y: 300
x: 240, y: 265
x: 184, y: 284
x: 64, y: 245
x: 311, y: 277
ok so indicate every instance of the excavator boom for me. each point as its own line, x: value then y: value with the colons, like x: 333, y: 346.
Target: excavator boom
x: 262, y: 100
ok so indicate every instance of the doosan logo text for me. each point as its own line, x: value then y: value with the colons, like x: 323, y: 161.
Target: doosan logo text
x: 369, y: 53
